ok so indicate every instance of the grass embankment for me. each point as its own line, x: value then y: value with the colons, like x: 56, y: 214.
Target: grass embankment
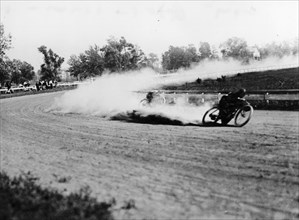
x: 272, y: 81
x: 22, y: 199
x: 283, y: 79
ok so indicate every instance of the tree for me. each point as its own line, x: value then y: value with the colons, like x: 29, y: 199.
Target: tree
x: 27, y: 72
x: 15, y: 72
x: 75, y: 68
x: 88, y: 64
x: 191, y: 55
x: 50, y: 69
x: 204, y: 51
x: 4, y: 71
x: 5, y: 41
x: 214, y: 53
x: 179, y: 57
x: 20, y: 71
x: 295, y: 46
x: 236, y: 48
x: 279, y: 49
x: 152, y: 61
x: 116, y: 56
x: 119, y: 55
x: 173, y: 59
x: 272, y: 49
x: 5, y: 44
x: 94, y: 60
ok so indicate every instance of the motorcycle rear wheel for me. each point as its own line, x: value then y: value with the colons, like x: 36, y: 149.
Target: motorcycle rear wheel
x: 211, y: 116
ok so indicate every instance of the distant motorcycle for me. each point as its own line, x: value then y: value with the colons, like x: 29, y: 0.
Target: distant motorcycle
x: 241, y: 114
x: 153, y: 98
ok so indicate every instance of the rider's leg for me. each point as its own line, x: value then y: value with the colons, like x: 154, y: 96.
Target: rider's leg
x: 223, y: 104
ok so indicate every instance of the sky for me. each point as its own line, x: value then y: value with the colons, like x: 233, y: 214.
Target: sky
x: 71, y: 27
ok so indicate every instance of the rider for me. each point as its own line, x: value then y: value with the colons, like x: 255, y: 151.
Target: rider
x: 149, y: 97
x: 229, y: 102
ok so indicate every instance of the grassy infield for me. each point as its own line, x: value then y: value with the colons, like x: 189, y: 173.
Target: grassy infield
x: 22, y: 198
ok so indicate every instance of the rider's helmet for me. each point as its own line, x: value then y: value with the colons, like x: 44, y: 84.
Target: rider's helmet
x: 241, y: 93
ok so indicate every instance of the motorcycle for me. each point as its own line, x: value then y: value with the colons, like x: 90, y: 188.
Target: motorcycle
x: 153, y: 98
x: 241, y: 113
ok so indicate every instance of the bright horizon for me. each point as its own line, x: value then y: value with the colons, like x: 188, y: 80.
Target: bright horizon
x: 70, y: 27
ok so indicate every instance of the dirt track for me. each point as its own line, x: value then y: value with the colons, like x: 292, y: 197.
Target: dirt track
x: 177, y: 172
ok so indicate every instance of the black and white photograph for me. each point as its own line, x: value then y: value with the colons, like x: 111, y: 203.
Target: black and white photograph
x: 149, y: 110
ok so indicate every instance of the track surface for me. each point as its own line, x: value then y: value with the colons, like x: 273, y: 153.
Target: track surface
x: 177, y: 172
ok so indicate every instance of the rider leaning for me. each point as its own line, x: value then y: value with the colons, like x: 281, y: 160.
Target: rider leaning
x: 231, y: 101
x: 149, y: 97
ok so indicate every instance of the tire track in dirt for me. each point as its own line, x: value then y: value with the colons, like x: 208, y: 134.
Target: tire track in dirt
x: 178, y: 172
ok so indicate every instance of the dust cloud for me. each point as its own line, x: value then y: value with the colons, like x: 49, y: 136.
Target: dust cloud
x: 119, y: 93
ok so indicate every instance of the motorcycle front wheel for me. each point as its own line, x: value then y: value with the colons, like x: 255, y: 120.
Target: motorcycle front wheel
x: 243, y: 115
x: 143, y: 103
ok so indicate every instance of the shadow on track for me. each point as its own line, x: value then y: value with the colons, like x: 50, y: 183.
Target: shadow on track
x: 155, y: 119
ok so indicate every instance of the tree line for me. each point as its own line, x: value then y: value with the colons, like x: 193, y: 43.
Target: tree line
x: 119, y: 55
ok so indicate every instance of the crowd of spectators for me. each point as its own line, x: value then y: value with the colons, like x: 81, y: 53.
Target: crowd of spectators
x: 44, y: 84
x: 26, y: 86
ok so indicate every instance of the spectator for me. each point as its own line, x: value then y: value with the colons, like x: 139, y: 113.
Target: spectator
x: 38, y: 85
x: 51, y: 84
x: 8, y: 86
x: 44, y: 84
x: 26, y: 84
